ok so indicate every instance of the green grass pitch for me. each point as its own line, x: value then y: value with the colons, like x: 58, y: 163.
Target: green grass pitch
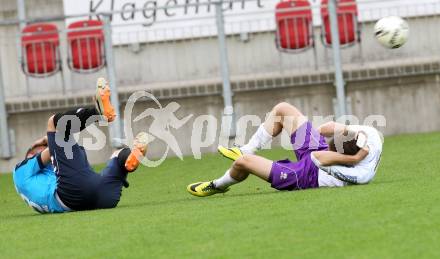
x: 396, y: 216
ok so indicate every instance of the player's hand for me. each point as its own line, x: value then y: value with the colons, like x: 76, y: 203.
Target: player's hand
x: 362, y: 138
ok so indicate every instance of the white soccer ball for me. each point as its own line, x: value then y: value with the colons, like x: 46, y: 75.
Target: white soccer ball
x: 392, y: 32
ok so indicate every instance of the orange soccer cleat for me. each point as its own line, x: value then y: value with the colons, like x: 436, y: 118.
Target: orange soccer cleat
x: 137, y: 152
x: 102, y: 100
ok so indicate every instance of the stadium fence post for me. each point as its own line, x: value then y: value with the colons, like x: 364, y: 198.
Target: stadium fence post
x: 21, y: 14
x: 336, y: 47
x: 224, y: 63
x: 4, y: 130
x: 116, y: 126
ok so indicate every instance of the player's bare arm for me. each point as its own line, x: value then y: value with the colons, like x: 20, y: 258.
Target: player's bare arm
x: 328, y: 158
x: 332, y: 128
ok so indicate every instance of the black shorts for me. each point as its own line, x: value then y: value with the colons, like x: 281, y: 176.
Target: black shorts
x: 78, y: 186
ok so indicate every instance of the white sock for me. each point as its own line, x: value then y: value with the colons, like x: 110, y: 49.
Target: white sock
x: 225, y: 181
x: 257, y: 141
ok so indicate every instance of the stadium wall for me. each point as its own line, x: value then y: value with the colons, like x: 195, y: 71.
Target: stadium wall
x: 409, y: 104
x: 192, y: 61
x: 402, y: 85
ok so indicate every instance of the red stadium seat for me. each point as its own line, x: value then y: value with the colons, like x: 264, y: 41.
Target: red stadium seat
x: 347, y: 13
x: 86, y: 46
x: 40, y: 44
x: 294, y: 25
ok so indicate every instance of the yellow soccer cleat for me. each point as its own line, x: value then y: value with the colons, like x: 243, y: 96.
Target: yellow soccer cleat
x: 232, y: 153
x: 203, y: 189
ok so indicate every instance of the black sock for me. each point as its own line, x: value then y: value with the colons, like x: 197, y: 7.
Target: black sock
x: 123, y: 156
x: 83, y: 114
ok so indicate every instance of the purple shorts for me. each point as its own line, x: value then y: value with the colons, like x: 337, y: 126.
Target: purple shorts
x: 303, y: 174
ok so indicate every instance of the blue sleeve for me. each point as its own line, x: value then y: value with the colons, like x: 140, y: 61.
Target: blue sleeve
x: 31, y: 166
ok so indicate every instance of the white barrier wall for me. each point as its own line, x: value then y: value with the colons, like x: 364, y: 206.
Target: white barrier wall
x: 409, y: 104
x: 403, y: 85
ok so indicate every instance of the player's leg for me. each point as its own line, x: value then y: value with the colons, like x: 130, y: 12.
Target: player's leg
x: 114, y: 176
x: 74, y: 121
x: 282, y: 175
x: 282, y: 116
x: 62, y: 125
x: 240, y: 170
x: 78, y: 119
x: 76, y: 181
x: 248, y: 164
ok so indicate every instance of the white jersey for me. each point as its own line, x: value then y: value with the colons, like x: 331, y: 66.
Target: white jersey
x: 327, y: 180
x: 361, y: 173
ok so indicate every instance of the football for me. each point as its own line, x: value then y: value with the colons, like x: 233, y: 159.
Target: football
x: 392, y: 32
